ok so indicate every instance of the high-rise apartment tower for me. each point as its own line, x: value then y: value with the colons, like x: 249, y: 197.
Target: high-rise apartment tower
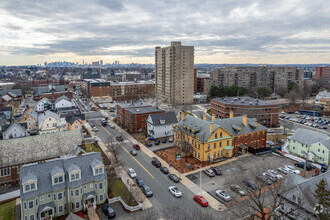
x: 174, y: 67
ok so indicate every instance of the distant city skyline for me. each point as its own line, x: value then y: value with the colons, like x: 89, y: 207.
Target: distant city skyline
x: 235, y: 32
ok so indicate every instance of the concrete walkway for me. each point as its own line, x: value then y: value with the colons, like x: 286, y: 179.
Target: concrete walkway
x: 195, y: 189
x: 10, y: 195
x: 18, y: 209
x: 120, y: 172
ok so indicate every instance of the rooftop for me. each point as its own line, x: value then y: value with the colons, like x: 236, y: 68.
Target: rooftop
x: 242, y: 101
x: 308, y: 137
x: 144, y: 110
x: 133, y: 104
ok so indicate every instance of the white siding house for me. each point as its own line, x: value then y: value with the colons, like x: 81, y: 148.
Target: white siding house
x: 63, y: 102
x: 41, y: 104
x: 161, y: 124
x: 14, y: 130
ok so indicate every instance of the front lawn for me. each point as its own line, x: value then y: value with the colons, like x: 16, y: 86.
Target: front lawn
x: 117, y: 188
x: 90, y: 147
x: 7, y: 210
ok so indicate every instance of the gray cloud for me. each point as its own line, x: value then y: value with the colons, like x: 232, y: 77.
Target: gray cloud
x: 89, y: 27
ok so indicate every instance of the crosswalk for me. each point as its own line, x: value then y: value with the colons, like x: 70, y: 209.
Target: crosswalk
x: 115, y: 142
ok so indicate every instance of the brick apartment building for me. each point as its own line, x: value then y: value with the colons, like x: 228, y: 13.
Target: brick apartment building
x: 266, y: 113
x: 118, y: 91
x: 199, y: 81
x: 322, y: 73
x: 134, y: 116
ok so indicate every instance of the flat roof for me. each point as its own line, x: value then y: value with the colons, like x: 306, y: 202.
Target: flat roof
x: 242, y: 101
x: 144, y: 110
x: 134, y: 104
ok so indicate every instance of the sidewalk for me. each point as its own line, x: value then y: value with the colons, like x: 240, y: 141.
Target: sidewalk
x: 120, y: 172
x: 18, y: 209
x: 213, y: 203
x: 10, y: 195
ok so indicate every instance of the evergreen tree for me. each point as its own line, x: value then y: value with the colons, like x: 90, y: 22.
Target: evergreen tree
x: 323, y: 196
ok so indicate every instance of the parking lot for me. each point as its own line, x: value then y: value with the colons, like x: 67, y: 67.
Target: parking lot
x: 236, y: 171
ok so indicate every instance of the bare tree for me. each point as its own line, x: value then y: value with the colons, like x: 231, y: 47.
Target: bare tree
x: 294, y: 94
x: 286, y: 125
x: 182, y: 141
x: 305, y: 91
x: 115, y: 149
x: 282, y: 91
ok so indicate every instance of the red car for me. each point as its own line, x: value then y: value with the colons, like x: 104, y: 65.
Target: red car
x: 136, y: 147
x: 201, y: 200
x: 80, y: 214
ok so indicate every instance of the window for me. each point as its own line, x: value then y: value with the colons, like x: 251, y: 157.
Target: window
x: 216, y: 136
x: 59, y: 196
x: 24, y: 205
x: 25, y: 217
x: 30, y: 204
x: 60, y: 209
x: 294, y: 198
x: 41, y: 198
x: 36, y: 201
x: 91, y: 185
x: 85, y: 187
x: 55, y: 209
x: 58, y: 179
x: 49, y: 196
x: 54, y: 196
x: 75, y: 176
x: 318, y: 150
x: 77, y: 205
x: 5, y: 172
x: 64, y: 194
x: 30, y: 187
x: 31, y: 217
x: 215, y: 145
x: 100, y: 185
x: 220, y: 134
x: 227, y: 142
x: 95, y: 186
x: 101, y: 197
x: 71, y: 192
x: 208, y: 146
x: 98, y: 170
x: 77, y: 192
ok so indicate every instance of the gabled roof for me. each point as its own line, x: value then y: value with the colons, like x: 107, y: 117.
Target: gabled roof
x: 72, y: 118
x: 308, y: 137
x: 22, y: 126
x: 12, y: 94
x: 73, y: 216
x: 6, y: 98
x: 17, y: 92
x: 96, y: 162
x: 47, y: 114
x: 38, y: 91
x: 43, y: 173
x: 56, y: 170
x: 29, y: 176
x: 326, y: 143
x: 39, y: 147
x: 168, y: 117
x: 63, y: 97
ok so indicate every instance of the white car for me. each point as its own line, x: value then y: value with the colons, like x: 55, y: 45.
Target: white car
x: 131, y: 173
x: 292, y: 169
x: 270, y: 131
x: 95, y: 129
x: 284, y: 170
x: 223, y: 195
x: 175, y: 191
x: 274, y: 174
x: 111, y: 125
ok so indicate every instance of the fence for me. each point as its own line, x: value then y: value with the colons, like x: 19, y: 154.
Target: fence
x: 130, y: 208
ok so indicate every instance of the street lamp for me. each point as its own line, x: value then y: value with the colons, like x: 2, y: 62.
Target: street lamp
x: 200, y: 177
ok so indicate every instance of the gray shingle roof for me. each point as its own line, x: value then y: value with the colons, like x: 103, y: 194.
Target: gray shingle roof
x: 42, y: 171
x: 72, y: 118
x: 47, y: 114
x: 48, y: 205
x: 96, y: 162
x: 326, y: 143
x: 308, y: 137
x: 73, y: 216
x: 17, y: 92
x: 38, y: 91
x: 169, y: 118
x: 39, y: 147
x: 63, y: 97
x: 202, y: 127
x: 56, y: 170
x: 29, y: 176
x: 23, y: 126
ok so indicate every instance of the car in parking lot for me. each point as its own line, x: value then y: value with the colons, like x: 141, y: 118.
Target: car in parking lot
x: 302, y: 165
x: 175, y: 191
x: 139, y: 181
x: 274, y: 174
x: 131, y: 173
x: 237, y: 189
x: 216, y: 170
x: 292, y: 169
x: 223, y: 195
x: 149, y: 144
x: 265, y: 179
x: 284, y: 170
x: 209, y: 172
x: 136, y: 147
x: 250, y: 183
x: 164, y: 170
x: 201, y: 200
x: 108, y: 211
x: 171, y: 139
x: 157, y: 142
x: 147, y: 191
x: 119, y: 138
x: 133, y: 152
x: 156, y: 162
x: 164, y: 140
x: 174, y: 178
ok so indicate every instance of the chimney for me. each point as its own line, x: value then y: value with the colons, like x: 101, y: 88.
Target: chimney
x: 204, y: 117
x: 245, y: 120
x: 211, y: 127
x: 231, y: 114
x: 213, y: 117
x: 182, y: 116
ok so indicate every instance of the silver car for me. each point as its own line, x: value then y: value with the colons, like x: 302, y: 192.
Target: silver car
x: 209, y: 172
x: 175, y: 191
x: 223, y: 195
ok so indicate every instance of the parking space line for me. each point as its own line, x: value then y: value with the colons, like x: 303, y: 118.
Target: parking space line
x: 128, y: 152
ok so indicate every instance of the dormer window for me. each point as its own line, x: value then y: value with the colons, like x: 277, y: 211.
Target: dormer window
x: 74, y: 176
x: 98, y: 170
x: 29, y: 187
x: 58, y: 179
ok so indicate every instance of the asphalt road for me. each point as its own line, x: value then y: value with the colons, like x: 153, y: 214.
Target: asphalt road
x: 152, y: 176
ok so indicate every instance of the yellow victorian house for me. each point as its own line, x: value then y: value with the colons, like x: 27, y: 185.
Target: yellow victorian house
x: 202, y: 139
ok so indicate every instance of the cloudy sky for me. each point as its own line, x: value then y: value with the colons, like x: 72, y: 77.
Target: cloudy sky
x: 222, y: 31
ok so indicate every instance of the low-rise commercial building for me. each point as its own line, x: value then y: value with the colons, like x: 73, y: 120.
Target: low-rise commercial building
x: 122, y: 107
x: 219, y: 138
x: 60, y: 186
x: 265, y: 112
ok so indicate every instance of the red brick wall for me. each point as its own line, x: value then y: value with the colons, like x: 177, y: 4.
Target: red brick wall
x: 141, y: 122
x: 250, y: 138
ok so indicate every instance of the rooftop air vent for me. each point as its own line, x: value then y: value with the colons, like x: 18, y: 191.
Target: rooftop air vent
x: 138, y: 110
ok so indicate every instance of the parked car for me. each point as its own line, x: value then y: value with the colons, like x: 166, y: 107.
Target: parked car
x: 292, y: 169
x: 95, y: 129
x: 156, y: 162
x: 302, y: 165
x: 131, y: 173
x: 209, y: 172
x: 147, y: 191
x: 175, y: 191
x: 201, y: 200
x: 149, y: 144
x: 324, y: 168
x: 164, y: 170
x: 274, y: 174
x: 216, y: 170
x: 174, y: 178
x: 170, y: 139
x: 284, y: 170
x: 223, y: 195
x: 157, y: 142
x: 111, y: 125
x: 136, y: 147
x: 250, y: 183
x: 237, y: 189
x: 119, y: 138
x: 265, y: 179
x: 91, y: 124
x: 108, y: 211
x: 104, y: 122
x: 133, y: 152
x: 164, y: 140
x: 139, y: 181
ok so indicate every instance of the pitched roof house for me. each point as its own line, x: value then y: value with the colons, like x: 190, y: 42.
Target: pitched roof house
x: 161, y: 124
x: 14, y: 130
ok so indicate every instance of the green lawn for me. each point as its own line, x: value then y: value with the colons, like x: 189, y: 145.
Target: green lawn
x: 7, y: 211
x: 118, y: 188
x: 91, y: 146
